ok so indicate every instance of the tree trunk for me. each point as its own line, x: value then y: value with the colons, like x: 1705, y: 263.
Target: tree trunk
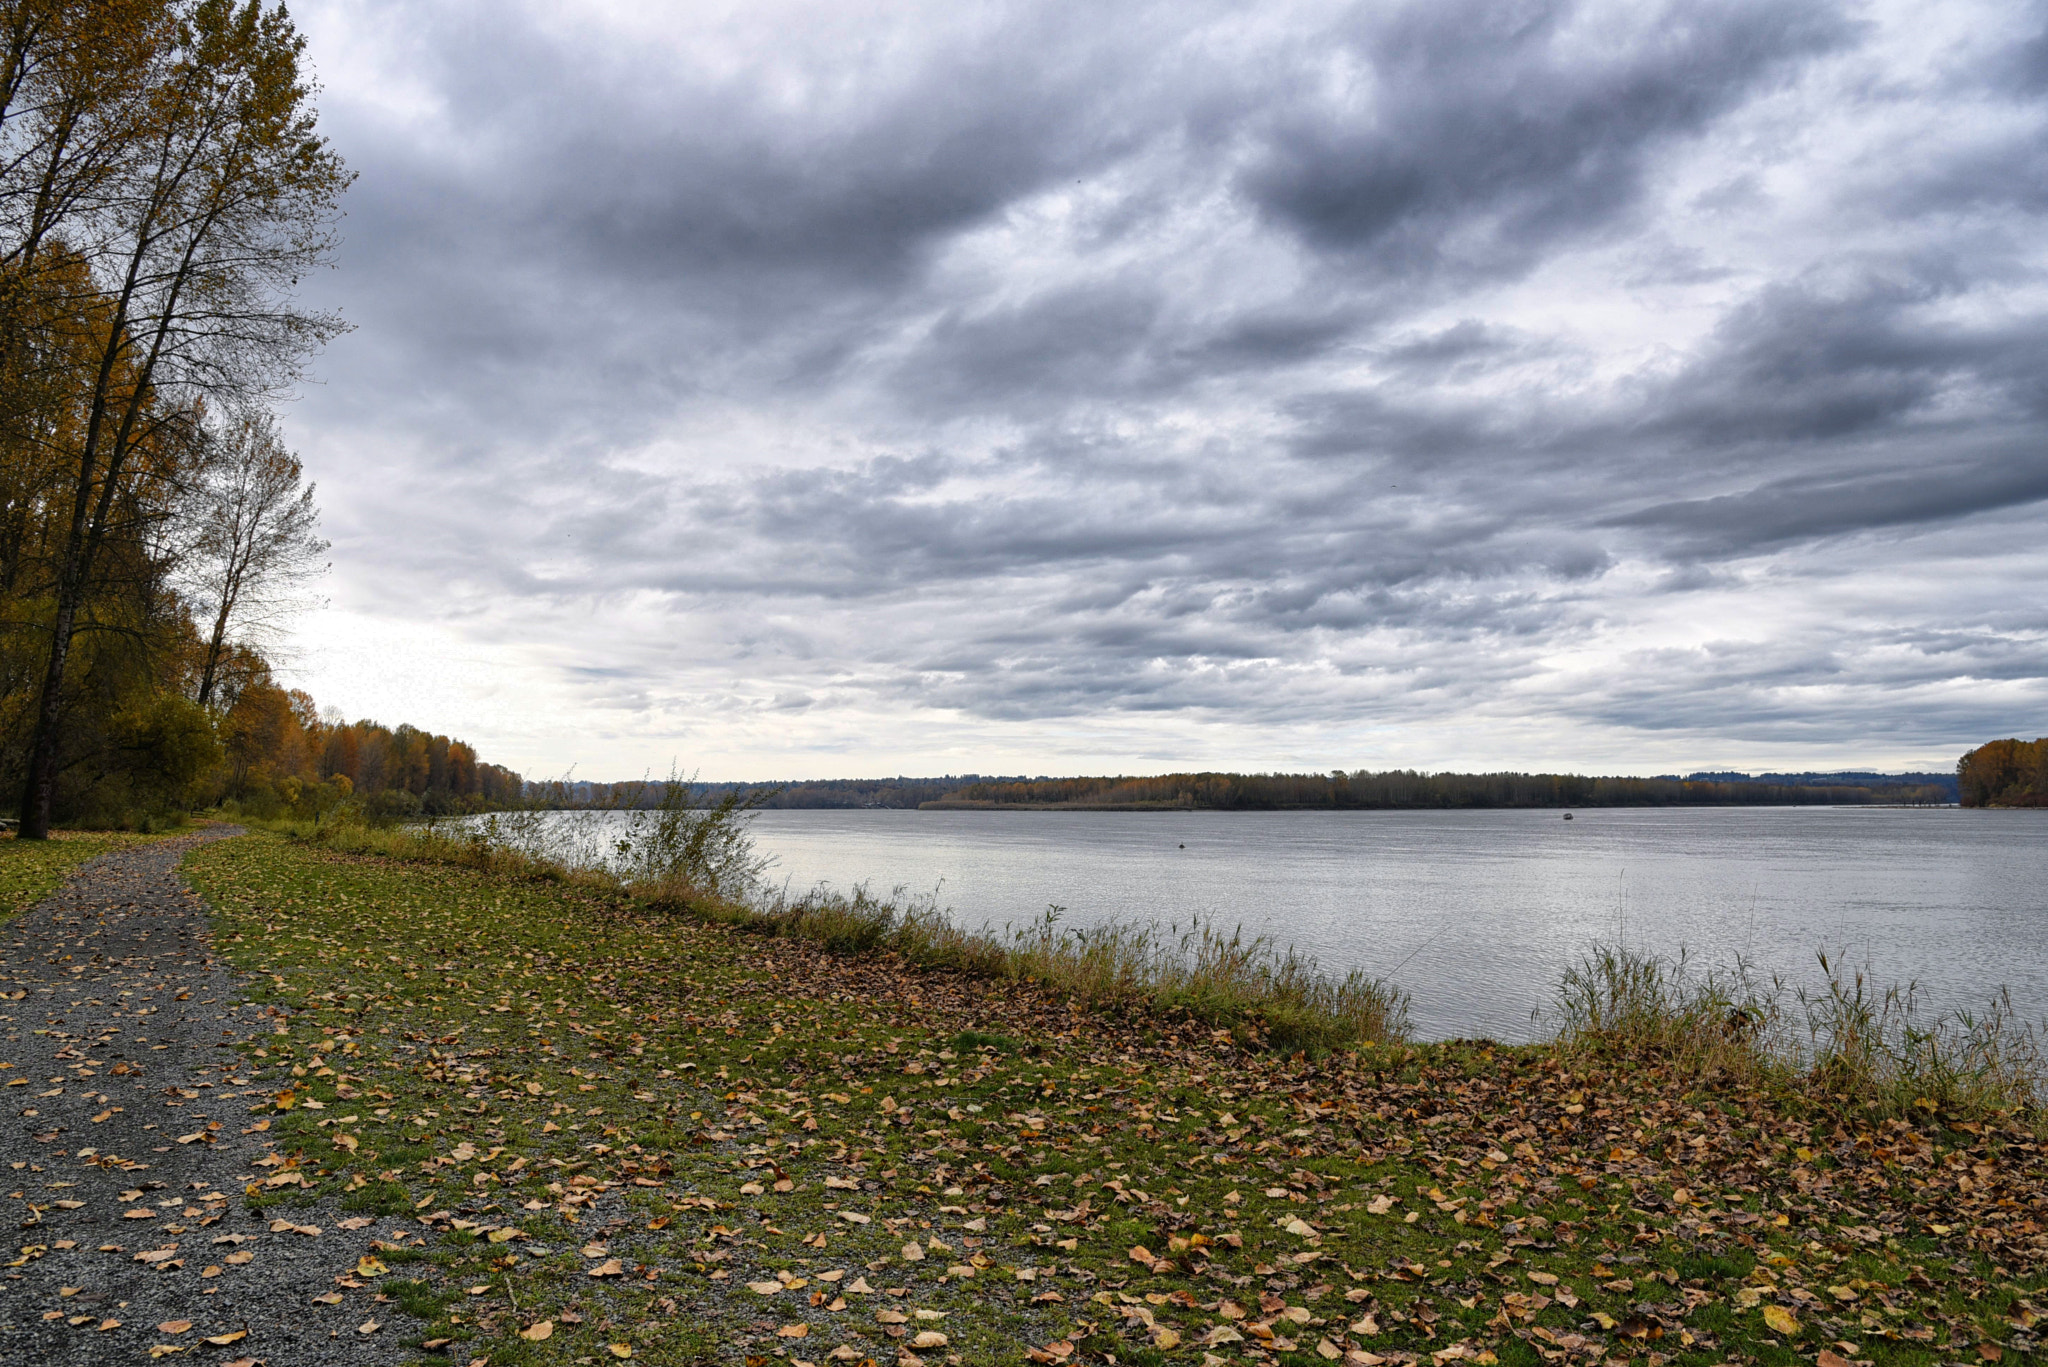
x: 213, y: 650
x: 41, y: 789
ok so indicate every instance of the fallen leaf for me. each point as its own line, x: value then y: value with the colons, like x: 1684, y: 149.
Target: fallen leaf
x: 1780, y: 1319
x: 620, y: 1350
x: 174, y: 1327
x: 537, y: 1332
x: 793, y: 1331
x: 368, y: 1327
x: 233, y: 1336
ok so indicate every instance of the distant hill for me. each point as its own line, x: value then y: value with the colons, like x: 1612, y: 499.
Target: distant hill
x: 897, y: 793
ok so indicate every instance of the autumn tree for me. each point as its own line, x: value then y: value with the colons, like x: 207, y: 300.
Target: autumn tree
x: 215, y: 195
x: 2005, y: 773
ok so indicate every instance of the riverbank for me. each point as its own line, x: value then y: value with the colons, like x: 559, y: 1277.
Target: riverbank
x: 618, y: 1125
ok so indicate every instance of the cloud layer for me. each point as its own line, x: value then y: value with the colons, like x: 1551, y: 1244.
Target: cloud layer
x: 1037, y: 387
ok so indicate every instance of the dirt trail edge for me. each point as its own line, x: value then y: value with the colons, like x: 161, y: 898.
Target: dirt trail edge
x: 127, y: 1143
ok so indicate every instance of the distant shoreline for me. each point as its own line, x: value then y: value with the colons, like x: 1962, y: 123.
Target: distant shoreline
x: 982, y: 806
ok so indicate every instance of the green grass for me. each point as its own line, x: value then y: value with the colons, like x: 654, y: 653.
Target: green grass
x: 31, y: 870
x: 547, y: 1056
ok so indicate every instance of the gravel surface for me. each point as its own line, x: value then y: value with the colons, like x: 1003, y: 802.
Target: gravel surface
x: 128, y: 1142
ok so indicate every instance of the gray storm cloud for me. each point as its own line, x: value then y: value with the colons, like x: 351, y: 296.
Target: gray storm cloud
x: 1497, y: 381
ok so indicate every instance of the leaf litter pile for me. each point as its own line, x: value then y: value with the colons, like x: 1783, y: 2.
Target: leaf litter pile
x: 624, y: 1135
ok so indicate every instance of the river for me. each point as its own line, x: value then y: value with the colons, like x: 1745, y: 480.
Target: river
x: 1476, y: 913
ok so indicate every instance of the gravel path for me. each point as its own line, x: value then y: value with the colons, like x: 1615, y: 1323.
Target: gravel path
x: 128, y: 1142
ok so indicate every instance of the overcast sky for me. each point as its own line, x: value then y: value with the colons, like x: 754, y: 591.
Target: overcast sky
x: 812, y: 390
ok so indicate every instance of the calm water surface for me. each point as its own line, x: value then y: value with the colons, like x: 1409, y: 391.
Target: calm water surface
x: 1475, y: 913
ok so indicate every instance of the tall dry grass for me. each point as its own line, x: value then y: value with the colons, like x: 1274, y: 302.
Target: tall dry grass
x: 1885, y: 1049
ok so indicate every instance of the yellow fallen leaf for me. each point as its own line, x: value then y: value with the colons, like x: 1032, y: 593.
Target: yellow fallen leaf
x: 366, y: 1266
x: 610, y: 1267
x: 105, y: 1325
x: 536, y: 1332
x: 620, y: 1350
x: 368, y: 1327
x: 1780, y: 1319
x: 793, y: 1331
x: 764, y: 1288
x: 330, y: 1298
x: 1379, y: 1205
x: 223, y: 1340
x: 929, y: 1338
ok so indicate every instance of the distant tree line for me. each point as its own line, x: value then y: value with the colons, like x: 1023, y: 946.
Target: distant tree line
x: 281, y: 757
x: 2005, y: 773
x: 895, y: 793
x: 1407, y: 788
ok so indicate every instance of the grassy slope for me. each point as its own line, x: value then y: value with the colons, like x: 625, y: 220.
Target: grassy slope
x: 31, y: 870
x: 754, y: 1131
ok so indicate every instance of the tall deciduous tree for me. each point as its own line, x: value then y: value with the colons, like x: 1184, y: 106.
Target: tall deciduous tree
x: 220, y: 197
x: 255, y: 545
